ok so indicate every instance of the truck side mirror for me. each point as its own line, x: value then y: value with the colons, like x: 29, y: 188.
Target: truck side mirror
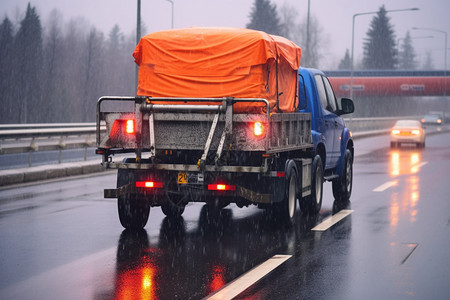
x: 346, y: 106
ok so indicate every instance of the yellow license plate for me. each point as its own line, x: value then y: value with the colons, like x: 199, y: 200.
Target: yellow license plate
x: 182, y: 178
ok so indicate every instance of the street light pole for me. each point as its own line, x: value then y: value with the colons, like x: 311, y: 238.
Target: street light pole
x: 445, y: 45
x: 171, y: 2
x: 138, y: 36
x: 307, y: 34
x: 353, y: 39
x: 445, y: 53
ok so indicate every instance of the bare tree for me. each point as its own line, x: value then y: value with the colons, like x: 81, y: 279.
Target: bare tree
x: 288, y: 21
x: 295, y: 30
x: 93, y: 62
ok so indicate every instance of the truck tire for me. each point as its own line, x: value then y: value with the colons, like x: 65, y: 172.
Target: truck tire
x: 285, y: 210
x: 311, y: 204
x: 342, y: 187
x: 173, y: 207
x: 133, y: 210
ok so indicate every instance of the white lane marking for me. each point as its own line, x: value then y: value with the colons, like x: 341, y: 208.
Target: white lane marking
x: 421, y: 164
x: 246, y: 280
x: 385, y: 186
x: 327, y: 223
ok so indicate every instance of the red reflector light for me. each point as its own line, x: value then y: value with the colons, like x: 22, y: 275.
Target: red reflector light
x: 280, y: 174
x: 221, y: 187
x: 149, y: 184
x: 129, y: 128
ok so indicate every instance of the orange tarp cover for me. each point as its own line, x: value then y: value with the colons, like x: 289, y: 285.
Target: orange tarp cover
x: 216, y: 63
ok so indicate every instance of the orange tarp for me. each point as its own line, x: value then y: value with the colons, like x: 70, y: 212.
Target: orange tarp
x: 216, y: 63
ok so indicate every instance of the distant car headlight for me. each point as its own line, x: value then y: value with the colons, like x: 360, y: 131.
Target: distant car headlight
x: 416, y: 132
x: 395, y: 131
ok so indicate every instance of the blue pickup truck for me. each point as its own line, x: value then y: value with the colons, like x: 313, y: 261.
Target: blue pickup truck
x: 224, y: 116
x: 333, y: 143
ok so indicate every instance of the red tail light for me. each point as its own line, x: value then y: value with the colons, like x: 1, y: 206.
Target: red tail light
x: 221, y: 187
x: 149, y: 184
x: 122, y: 130
x: 258, y: 129
x: 129, y: 128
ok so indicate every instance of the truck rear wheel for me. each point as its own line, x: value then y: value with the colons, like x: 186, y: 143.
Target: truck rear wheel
x: 313, y: 202
x: 342, y: 187
x: 173, y: 207
x: 285, y: 210
x: 133, y: 210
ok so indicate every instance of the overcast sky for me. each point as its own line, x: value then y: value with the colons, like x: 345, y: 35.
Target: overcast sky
x: 335, y: 17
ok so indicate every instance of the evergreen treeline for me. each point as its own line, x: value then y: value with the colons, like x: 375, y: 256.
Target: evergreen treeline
x: 56, y: 73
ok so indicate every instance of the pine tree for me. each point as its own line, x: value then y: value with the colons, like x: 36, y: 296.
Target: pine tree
x: 379, y: 47
x: 345, y: 63
x: 407, y: 56
x: 6, y: 67
x: 428, y: 64
x: 264, y: 17
x: 28, y: 62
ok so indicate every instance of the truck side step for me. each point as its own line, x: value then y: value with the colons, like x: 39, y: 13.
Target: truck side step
x: 331, y: 177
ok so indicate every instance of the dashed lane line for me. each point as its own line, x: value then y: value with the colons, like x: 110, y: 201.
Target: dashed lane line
x: 385, y: 186
x: 243, y: 282
x: 327, y: 223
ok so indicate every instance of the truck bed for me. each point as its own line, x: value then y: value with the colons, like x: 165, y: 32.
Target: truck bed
x: 190, y: 127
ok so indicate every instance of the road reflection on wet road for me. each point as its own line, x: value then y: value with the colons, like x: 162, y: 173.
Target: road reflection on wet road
x: 62, y: 240
x: 406, y: 163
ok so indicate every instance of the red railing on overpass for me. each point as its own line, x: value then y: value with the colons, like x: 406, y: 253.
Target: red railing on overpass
x: 391, y: 83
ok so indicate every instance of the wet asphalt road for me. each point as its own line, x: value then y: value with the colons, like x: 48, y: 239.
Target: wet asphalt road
x: 62, y: 240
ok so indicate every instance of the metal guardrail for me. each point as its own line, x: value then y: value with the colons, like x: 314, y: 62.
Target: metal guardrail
x: 30, y: 138
x: 44, y: 125
x: 369, y: 124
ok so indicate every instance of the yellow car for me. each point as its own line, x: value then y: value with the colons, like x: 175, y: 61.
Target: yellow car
x: 408, y: 132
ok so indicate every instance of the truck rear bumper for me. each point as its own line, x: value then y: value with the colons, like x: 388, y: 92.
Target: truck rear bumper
x: 196, y: 195
x: 185, y: 168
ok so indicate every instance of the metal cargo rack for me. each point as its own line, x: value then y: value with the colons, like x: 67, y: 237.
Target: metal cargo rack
x: 204, y: 124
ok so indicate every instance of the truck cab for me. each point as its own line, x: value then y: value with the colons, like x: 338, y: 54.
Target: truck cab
x: 331, y: 138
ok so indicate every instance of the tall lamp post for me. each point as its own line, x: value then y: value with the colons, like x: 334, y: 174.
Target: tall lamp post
x: 353, y: 38
x: 445, y: 52
x: 138, y: 36
x: 171, y: 2
x: 307, y: 33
